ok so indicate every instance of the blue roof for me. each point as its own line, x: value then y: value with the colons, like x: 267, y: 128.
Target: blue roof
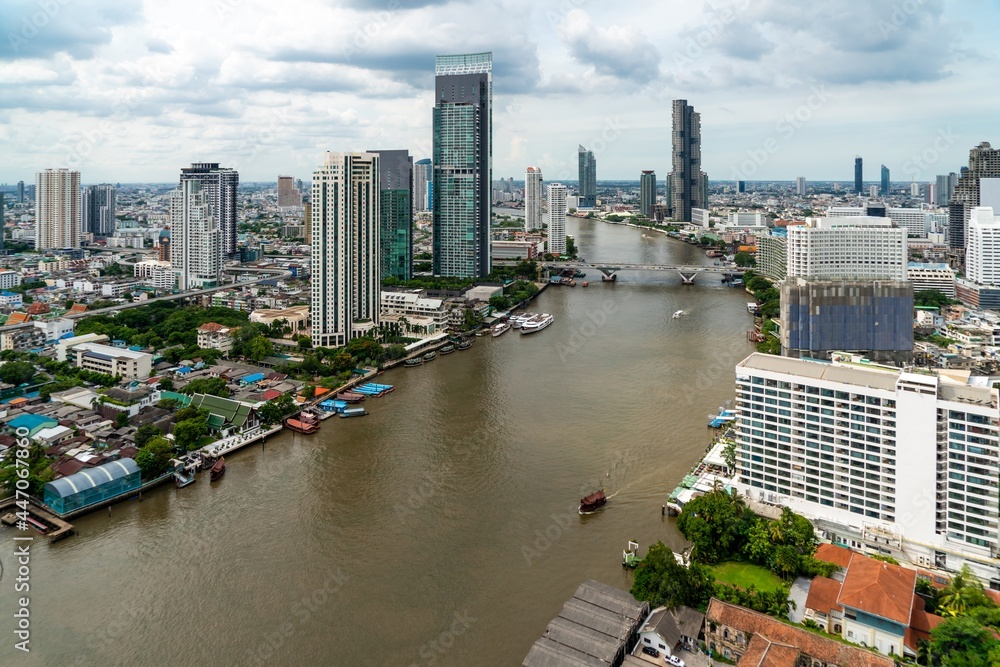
x: 184, y: 370
x: 30, y: 421
x: 927, y: 265
x: 6, y: 293
x: 256, y: 377
x: 91, y: 478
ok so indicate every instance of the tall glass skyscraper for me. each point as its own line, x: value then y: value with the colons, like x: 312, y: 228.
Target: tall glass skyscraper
x: 463, y: 164
x: 422, y: 175
x: 690, y: 183
x: 587, y: 177
x: 647, y: 192
x: 884, y: 189
x: 858, y: 175
x: 98, y: 210
x: 396, y: 214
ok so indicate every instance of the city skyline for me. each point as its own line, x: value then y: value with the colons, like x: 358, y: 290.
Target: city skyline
x: 88, y: 98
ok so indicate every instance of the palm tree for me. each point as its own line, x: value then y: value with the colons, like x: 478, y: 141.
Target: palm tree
x: 925, y: 653
x: 963, y: 590
x: 776, y: 531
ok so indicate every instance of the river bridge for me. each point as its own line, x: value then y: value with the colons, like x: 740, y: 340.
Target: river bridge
x: 687, y: 273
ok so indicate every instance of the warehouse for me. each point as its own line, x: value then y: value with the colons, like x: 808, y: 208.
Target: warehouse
x: 92, y: 485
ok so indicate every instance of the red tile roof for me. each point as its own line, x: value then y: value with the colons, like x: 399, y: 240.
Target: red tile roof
x: 18, y: 318
x: 879, y: 588
x: 270, y: 395
x: 763, y: 653
x: 921, y: 624
x: 211, y: 326
x: 813, y: 645
x: 832, y: 553
x: 823, y: 594
x: 38, y: 308
x: 79, y: 308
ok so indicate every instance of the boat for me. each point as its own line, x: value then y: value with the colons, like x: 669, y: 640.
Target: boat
x: 218, y: 469
x: 500, y: 328
x: 592, y: 502
x: 447, y: 349
x: 413, y: 362
x: 465, y: 344
x: 350, y: 397
x: 579, y: 274
x: 678, y: 315
x: 585, y: 283
x: 301, y: 426
x: 307, y: 417
x: 537, y: 325
x: 353, y: 412
x: 430, y: 356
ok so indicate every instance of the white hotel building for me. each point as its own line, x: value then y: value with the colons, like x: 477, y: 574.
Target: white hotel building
x: 891, y: 461
x: 847, y: 248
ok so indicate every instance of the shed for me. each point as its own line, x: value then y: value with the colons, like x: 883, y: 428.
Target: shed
x: 92, y: 486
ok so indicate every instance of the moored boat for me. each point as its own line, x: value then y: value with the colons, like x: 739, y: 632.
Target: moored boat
x: 500, y: 328
x: 430, y: 356
x: 218, y: 469
x: 447, y: 349
x: 537, y: 325
x: 350, y: 397
x: 300, y: 426
x: 465, y: 344
x: 592, y: 502
x: 415, y: 361
x: 353, y: 412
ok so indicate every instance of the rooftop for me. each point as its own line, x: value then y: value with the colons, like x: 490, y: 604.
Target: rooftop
x: 879, y: 588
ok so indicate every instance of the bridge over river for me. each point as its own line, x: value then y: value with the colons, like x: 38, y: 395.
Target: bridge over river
x: 687, y: 273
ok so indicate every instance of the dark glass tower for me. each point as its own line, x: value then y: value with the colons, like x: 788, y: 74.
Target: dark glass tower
x: 98, y: 210
x: 587, y: 174
x: 688, y: 179
x: 884, y: 189
x: 647, y: 192
x: 221, y: 184
x: 858, y: 175
x: 463, y: 163
x: 396, y: 213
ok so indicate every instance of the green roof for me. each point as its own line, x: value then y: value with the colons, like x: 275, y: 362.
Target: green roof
x: 183, y: 399
x: 229, y: 411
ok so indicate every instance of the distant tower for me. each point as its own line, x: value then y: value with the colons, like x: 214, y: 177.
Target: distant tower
x: 98, y: 210
x: 587, y: 182
x: 346, y: 248
x: 288, y: 194
x: 884, y: 190
x: 196, y: 236
x: 647, y: 193
x: 741, y: 186
x: 688, y: 179
x: 984, y: 162
x: 422, y: 174
x: 872, y: 191
x: 463, y: 164
x: 914, y: 188
x: 220, y: 185
x: 532, y: 199
x: 858, y: 175
x: 20, y: 192
x: 557, y: 218
x: 800, y: 186
x: 57, y: 209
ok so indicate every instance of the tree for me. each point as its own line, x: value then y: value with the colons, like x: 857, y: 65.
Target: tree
x: 308, y: 392
x: 276, y: 409
x: 395, y: 351
x: 211, y: 386
x: 146, y: 433
x: 963, y: 642
x: 661, y: 580
x: 188, y: 433
x: 258, y: 348
x: 166, y: 384
x: 933, y: 298
x: 38, y: 468
x: 714, y: 525
x: 122, y: 419
x: 962, y: 594
x: 745, y: 259
x: 17, y: 372
x: 154, y: 457
x: 729, y: 455
x: 758, y: 546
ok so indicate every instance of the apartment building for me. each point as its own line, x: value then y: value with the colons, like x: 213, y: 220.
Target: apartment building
x: 847, y: 248
x: 109, y: 360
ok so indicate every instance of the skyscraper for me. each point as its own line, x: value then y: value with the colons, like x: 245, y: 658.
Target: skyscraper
x: 20, y: 192
x: 532, y: 199
x: 741, y: 186
x: 195, y: 236
x: 220, y: 185
x: 463, y: 164
x: 557, y: 218
x: 288, y: 194
x: 982, y: 257
x: 688, y: 179
x: 647, y: 192
x: 587, y: 177
x: 57, y: 209
x: 800, y: 186
x: 396, y: 213
x: 423, y: 172
x: 984, y: 162
x: 884, y: 190
x: 945, y: 186
x: 859, y: 175
x: 346, y: 248
x: 98, y: 210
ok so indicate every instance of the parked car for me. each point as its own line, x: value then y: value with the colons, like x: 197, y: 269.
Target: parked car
x: 675, y: 661
x: 649, y: 650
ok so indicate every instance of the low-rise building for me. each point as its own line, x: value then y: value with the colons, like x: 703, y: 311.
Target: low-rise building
x: 214, y: 336
x: 939, y: 277
x: 64, y: 348
x: 10, y: 299
x: 109, y: 360
x: 9, y: 279
x: 513, y: 250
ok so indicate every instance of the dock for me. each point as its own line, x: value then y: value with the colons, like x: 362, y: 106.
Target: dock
x: 39, y: 518
x: 239, y: 441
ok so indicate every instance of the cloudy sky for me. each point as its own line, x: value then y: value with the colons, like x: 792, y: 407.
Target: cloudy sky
x: 131, y: 90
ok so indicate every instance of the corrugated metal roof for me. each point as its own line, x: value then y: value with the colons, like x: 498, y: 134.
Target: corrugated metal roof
x: 92, y: 477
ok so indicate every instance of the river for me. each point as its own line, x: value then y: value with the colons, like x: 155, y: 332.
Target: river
x: 441, y: 529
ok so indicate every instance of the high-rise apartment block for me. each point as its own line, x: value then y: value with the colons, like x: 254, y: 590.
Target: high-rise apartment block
x: 463, y: 163
x: 800, y: 186
x: 984, y: 163
x: 346, y: 248
x: 587, y: 170
x: 288, y: 194
x: 396, y: 213
x: 98, y: 210
x: 647, y: 193
x: 195, y: 236
x: 20, y: 192
x: 533, y: 195
x: 897, y: 462
x: 944, y: 187
x: 689, y: 182
x: 423, y: 172
x: 982, y: 254
x: 57, y: 209
x: 859, y: 175
x: 219, y: 184
x: 557, y: 218
x: 772, y: 256
x: 846, y: 249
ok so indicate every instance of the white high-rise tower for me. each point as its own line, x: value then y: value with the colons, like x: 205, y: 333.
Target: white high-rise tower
x: 195, y: 237
x: 557, y: 218
x: 346, y: 248
x: 533, y: 199
x: 57, y: 214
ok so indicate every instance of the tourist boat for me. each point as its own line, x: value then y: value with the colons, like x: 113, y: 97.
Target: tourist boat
x: 430, y: 356
x: 218, y: 469
x: 678, y: 315
x: 350, y: 397
x: 415, y: 361
x: 300, y: 426
x: 537, y: 325
x: 353, y: 412
x: 500, y: 328
x: 447, y: 349
x: 465, y: 344
x: 592, y: 502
